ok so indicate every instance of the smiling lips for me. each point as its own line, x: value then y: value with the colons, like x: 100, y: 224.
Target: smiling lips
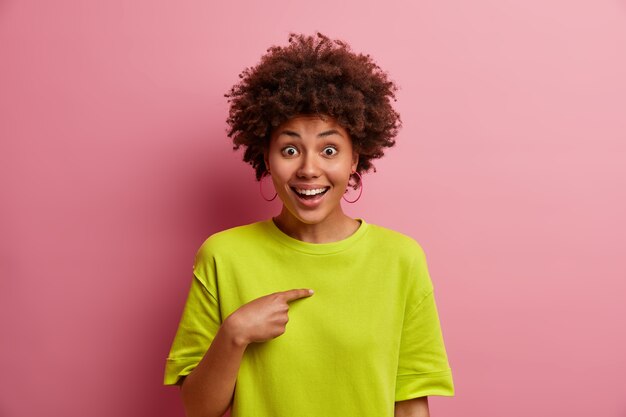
x: 314, y: 191
x: 309, y: 194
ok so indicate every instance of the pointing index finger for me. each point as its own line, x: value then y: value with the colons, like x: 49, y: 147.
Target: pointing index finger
x: 292, y: 295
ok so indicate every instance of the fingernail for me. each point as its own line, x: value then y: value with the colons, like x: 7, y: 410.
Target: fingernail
x: 311, y: 291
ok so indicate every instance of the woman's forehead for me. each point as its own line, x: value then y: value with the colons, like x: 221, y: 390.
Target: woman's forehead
x: 310, y: 122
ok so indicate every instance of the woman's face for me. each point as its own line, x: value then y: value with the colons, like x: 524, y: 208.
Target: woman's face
x: 310, y: 161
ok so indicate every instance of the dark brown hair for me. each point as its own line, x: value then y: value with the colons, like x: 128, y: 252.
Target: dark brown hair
x: 313, y: 75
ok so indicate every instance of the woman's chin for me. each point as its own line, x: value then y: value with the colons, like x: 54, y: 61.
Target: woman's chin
x: 312, y: 213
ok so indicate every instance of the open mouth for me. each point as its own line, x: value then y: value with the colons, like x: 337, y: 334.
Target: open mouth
x: 310, y: 194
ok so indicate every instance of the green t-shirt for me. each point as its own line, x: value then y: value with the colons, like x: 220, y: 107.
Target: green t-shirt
x: 368, y: 337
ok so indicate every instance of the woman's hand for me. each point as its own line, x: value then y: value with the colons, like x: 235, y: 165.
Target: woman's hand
x: 263, y: 318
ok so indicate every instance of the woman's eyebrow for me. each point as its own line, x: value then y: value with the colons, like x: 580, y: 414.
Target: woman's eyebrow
x: 289, y: 133
x: 321, y: 135
x: 329, y: 133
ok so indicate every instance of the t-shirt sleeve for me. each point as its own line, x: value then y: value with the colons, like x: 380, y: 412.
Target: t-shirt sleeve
x: 199, y: 323
x: 423, y: 367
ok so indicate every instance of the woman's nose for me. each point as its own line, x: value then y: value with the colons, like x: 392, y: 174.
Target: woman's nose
x: 308, y: 166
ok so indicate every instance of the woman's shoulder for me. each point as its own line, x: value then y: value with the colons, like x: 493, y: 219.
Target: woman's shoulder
x: 402, y: 243
x: 233, y: 238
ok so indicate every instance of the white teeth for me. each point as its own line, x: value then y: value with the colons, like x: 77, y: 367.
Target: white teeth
x: 310, y: 192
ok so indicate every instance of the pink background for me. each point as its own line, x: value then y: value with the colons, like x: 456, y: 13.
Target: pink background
x: 510, y: 171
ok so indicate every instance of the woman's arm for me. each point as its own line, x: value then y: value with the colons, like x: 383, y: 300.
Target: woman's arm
x: 416, y: 407
x: 208, y: 390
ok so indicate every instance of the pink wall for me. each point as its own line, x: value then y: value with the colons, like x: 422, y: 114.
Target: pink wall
x: 114, y: 167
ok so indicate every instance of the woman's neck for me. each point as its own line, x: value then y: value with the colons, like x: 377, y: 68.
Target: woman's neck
x: 332, y: 229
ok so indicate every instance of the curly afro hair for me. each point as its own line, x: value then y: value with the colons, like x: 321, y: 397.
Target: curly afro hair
x: 313, y: 75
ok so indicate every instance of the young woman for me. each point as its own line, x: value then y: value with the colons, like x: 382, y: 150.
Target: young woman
x: 363, y: 337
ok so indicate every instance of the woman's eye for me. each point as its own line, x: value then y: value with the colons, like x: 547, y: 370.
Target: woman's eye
x: 329, y: 151
x: 290, y: 151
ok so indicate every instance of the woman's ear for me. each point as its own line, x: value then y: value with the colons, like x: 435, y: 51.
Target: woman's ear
x: 266, y: 160
x: 355, y: 161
